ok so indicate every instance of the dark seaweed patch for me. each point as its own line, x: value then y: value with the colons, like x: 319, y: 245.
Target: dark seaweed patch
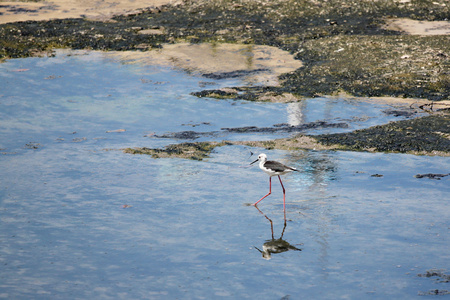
x: 286, y: 127
x: 426, y: 134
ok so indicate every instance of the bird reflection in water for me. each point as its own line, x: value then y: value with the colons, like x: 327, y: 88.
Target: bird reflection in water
x: 275, y: 246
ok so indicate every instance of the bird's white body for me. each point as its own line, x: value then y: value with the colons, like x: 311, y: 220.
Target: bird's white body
x: 273, y: 168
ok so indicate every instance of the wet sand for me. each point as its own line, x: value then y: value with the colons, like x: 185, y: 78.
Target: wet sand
x: 415, y: 27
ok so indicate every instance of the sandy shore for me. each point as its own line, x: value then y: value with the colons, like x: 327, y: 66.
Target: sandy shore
x: 102, y: 10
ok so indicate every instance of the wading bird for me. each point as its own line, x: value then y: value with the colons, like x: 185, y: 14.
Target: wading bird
x: 273, y: 168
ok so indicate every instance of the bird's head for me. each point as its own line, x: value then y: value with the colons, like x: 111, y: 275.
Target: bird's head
x: 261, y: 157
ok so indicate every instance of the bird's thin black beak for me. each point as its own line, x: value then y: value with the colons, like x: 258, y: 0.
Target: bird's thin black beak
x: 254, y: 162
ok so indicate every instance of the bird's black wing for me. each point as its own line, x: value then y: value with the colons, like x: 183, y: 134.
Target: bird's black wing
x: 277, y: 167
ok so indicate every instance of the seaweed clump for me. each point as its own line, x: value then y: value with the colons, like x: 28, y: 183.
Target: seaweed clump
x: 440, y: 277
x: 194, y: 151
x: 429, y: 134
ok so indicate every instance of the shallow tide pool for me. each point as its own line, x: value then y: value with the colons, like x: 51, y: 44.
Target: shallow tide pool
x: 82, y: 220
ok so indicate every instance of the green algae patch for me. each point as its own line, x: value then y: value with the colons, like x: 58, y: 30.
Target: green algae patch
x: 194, y: 151
x: 425, y: 136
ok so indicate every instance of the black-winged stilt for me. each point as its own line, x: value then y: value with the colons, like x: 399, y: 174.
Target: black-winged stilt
x: 273, y: 168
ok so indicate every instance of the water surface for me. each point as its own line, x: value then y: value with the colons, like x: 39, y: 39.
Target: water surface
x: 82, y: 220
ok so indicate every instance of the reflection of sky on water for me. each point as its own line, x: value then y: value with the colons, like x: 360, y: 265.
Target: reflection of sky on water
x: 187, y: 231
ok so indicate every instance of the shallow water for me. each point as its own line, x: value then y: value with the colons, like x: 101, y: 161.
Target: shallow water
x: 81, y: 220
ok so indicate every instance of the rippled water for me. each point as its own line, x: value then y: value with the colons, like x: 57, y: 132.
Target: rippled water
x: 82, y: 220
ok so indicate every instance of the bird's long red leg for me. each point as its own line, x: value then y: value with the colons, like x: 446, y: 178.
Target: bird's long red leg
x: 284, y: 197
x: 270, y: 191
